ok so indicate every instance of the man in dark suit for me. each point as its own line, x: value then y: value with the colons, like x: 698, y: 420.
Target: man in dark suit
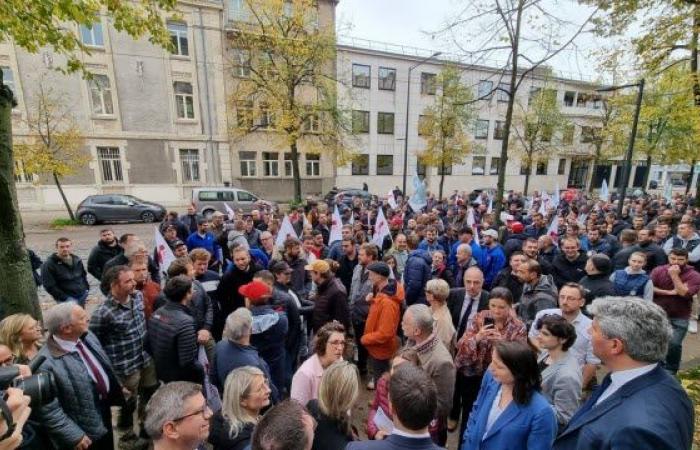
x: 413, y: 401
x: 463, y: 304
x: 639, y: 405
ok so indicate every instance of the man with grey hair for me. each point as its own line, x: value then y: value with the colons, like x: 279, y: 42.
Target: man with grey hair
x: 235, y: 351
x: 177, y: 417
x: 79, y: 417
x: 417, y: 326
x: 464, y: 261
x: 639, y: 405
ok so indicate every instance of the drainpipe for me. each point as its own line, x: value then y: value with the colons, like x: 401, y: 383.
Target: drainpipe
x: 212, y: 147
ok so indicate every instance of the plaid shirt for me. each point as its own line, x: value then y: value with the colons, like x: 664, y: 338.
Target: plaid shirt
x: 121, y: 329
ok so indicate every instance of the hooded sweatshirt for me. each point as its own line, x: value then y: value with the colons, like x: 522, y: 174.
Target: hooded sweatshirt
x: 268, y: 337
x: 542, y: 295
x: 380, y: 337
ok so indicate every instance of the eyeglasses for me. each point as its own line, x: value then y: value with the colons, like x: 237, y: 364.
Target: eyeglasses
x: 206, y: 413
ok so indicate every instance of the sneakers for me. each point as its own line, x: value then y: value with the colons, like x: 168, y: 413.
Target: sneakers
x: 693, y: 326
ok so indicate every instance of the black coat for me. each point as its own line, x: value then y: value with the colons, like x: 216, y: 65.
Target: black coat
x: 564, y: 271
x: 281, y: 298
x: 62, y: 280
x: 220, y: 436
x: 621, y: 258
x: 506, y: 279
x: 331, y: 303
x: 99, y: 255
x: 596, y: 286
x: 655, y: 256
x: 455, y: 301
x: 328, y: 434
x: 227, y: 291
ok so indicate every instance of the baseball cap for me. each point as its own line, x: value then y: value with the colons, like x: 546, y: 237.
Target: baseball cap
x: 178, y: 243
x: 380, y: 268
x: 319, y: 265
x: 255, y: 291
x: 490, y: 232
x: 517, y: 227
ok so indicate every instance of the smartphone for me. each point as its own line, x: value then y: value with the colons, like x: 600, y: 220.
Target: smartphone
x: 488, y: 321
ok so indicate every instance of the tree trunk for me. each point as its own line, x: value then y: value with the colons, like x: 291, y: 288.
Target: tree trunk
x: 63, y: 196
x: 694, y: 54
x: 18, y: 292
x: 502, y: 163
x: 527, y: 182
x: 442, y: 178
x: 295, y: 172
x: 645, y: 183
x: 690, y: 178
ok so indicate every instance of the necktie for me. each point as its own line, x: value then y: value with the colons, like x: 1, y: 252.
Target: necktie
x: 465, y: 318
x: 100, y: 382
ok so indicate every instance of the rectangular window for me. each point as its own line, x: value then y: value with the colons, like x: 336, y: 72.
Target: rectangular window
x: 478, y: 165
x: 502, y: 94
x: 385, y: 164
x: 387, y: 79
x: 427, y: 83
x: 581, y: 100
x: 495, y: 162
x: 270, y: 164
x: 481, y: 129
x: 21, y: 176
x: 288, y: 172
x: 485, y: 90
x: 499, y: 129
x: 184, y: 100
x: 189, y: 158
x: 534, y: 92
x: 101, y: 95
x: 244, y: 114
x: 178, y: 37
x: 546, y: 135
x: 239, y: 11
x: 561, y: 169
x: 541, y: 168
x: 360, y: 165
x: 361, y: 76
x: 423, y: 123
x: 597, y: 102
x: 312, y: 124
x: 8, y: 78
x: 110, y: 164
x: 360, y: 121
x: 313, y: 165
x: 385, y: 123
x: 569, y: 97
x: 586, y: 135
x: 92, y: 36
x: 248, y: 165
x: 266, y: 119
x: 568, y: 135
x: 524, y: 168
x: 421, y: 169
x: 240, y: 63
x: 447, y: 170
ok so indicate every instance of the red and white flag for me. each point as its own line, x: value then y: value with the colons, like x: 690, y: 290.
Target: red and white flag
x: 471, y: 222
x: 381, y: 229
x: 392, y: 200
x: 553, y: 230
x: 336, y: 227
x: 229, y: 212
x: 286, y: 230
x: 163, y: 252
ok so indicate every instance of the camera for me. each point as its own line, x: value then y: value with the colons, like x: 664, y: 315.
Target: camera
x: 40, y: 387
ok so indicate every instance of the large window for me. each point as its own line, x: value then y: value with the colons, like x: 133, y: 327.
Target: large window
x: 248, y: 166
x: 541, y: 168
x: 385, y: 123
x: 423, y: 121
x: 567, y: 137
x: 587, y: 134
x: 485, y: 90
x: 569, y: 97
x: 312, y: 124
x: 244, y: 114
x: 427, y: 83
x: 101, y: 95
x: 110, y: 164
x: 478, y: 165
x: 387, y: 79
x: 271, y: 164
x: 313, y: 165
x: 524, y: 168
x: 360, y: 165
x: 361, y: 76
x: 184, y: 100
x: 189, y: 158
x: 240, y: 61
x: 8, y: 78
x: 495, y: 163
x: 499, y: 129
x: 288, y: 171
x: 561, y: 169
x: 178, y: 37
x: 92, y: 36
x: 21, y: 175
x: 385, y: 164
x: 239, y: 11
x: 481, y: 129
x: 266, y: 119
x: 360, y: 121
x: 503, y: 92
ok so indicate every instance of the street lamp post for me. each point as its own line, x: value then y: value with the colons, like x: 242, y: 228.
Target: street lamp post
x: 630, y: 146
x: 408, y: 105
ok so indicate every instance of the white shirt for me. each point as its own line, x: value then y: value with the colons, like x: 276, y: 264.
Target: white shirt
x: 72, y: 346
x: 472, y: 313
x: 582, y: 348
x: 494, y: 413
x: 622, y: 377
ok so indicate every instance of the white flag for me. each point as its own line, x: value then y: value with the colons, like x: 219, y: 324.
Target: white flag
x: 543, y: 207
x: 229, y: 212
x: 336, y: 227
x: 668, y: 193
x: 471, y: 222
x: 604, y: 194
x: 286, y: 230
x: 306, y: 222
x: 490, y: 208
x: 163, y: 252
x: 381, y: 229
x: 555, y: 197
x: 553, y: 230
x: 392, y: 200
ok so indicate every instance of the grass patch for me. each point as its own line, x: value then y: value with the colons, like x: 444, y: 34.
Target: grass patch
x: 58, y: 224
x: 690, y: 379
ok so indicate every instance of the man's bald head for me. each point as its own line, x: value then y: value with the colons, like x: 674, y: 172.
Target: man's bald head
x: 473, y: 281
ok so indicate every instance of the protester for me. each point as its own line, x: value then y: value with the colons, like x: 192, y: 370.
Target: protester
x: 240, y: 273
x: 360, y: 288
x: 436, y: 292
x: 538, y: 291
x: 63, y: 275
x: 508, y: 276
x: 494, y: 257
x: 568, y: 266
x: 107, y: 248
x: 439, y: 269
x: 597, y: 281
x: 416, y: 272
x: 330, y: 300
x: 628, y: 239
x: 633, y: 280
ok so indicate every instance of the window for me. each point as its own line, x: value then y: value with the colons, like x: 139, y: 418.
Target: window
x: 312, y: 124
x: 502, y: 94
x: 288, y: 172
x: 266, y: 118
x: 587, y: 134
x: 8, y: 78
x: 427, y: 83
x: 581, y: 100
x: 184, y: 100
x: 240, y: 62
x: 21, y: 176
x: 361, y: 76
x: 244, y: 114
x: 478, y: 165
x: 385, y: 123
x: 534, y: 92
x: 271, y: 164
x: 385, y: 164
x: 313, y: 165
x: 485, y: 90
x: 110, y: 164
x: 360, y: 121
x: 524, y: 168
x: 239, y: 11
x: 92, y: 36
x: 481, y: 129
x: 561, y: 170
x: 423, y: 123
x: 387, y: 79
x: 360, y: 165
x: 421, y: 169
x: 568, y: 135
x: 597, y: 102
x: 546, y: 135
x: 178, y: 37
x: 447, y: 170
x: 495, y: 162
x: 247, y: 164
x: 101, y: 95
x: 569, y: 98
x: 541, y: 168
x: 244, y: 196
x: 499, y: 129
x: 189, y: 158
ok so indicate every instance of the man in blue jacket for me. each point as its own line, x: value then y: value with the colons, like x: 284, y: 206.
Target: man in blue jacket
x: 638, y: 405
x: 417, y: 272
x: 494, y: 258
x: 203, y: 238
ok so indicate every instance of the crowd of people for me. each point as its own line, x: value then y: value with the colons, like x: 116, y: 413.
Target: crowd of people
x: 560, y: 325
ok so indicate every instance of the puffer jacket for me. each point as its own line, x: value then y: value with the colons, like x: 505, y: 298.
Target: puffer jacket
x: 542, y: 295
x: 415, y: 275
x: 99, y: 255
x: 380, y: 338
x: 282, y: 301
x: 173, y: 342
x: 564, y: 271
x: 227, y: 291
x: 62, y: 280
x: 330, y: 303
x: 514, y: 242
x: 596, y: 286
x: 75, y: 412
x: 201, y: 307
x: 269, y: 331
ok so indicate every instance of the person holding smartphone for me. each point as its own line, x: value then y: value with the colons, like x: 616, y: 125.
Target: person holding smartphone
x: 475, y: 348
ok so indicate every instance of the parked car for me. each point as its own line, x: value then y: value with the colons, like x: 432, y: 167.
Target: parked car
x: 349, y: 194
x: 208, y: 200
x: 118, y: 207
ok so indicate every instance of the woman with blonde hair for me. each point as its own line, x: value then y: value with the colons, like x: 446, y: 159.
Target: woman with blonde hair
x: 339, y: 389
x: 246, y: 392
x: 436, y: 292
x: 22, y: 334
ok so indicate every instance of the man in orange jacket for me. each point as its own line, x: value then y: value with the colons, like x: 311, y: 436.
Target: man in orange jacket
x: 380, y: 338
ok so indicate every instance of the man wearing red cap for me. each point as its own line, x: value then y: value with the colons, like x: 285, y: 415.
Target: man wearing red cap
x: 515, y: 240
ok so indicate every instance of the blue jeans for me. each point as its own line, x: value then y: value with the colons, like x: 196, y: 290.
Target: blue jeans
x: 675, y: 346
